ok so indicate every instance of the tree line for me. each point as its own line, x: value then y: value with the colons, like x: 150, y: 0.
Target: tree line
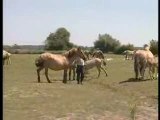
x: 59, y: 40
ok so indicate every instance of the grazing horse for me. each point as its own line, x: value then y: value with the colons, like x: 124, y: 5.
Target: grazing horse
x: 143, y: 59
x: 57, y: 62
x: 128, y: 54
x: 6, y: 57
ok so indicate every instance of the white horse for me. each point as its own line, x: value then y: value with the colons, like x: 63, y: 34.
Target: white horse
x: 6, y: 57
x: 129, y: 54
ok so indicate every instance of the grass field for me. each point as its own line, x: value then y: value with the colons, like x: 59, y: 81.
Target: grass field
x: 116, y: 97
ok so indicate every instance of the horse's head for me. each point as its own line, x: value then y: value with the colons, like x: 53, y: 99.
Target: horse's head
x: 39, y: 62
x: 98, y: 54
x: 101, y: 55
x: 76, y: 52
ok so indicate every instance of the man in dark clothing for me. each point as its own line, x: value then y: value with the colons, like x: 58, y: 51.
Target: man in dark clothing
x: 80, y: 69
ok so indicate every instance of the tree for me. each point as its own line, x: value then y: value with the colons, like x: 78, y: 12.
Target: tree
x: 58, y: 40
x: 122, y: 48
x: 106, y: 43
x: 16, y: 46
x: 154, y: 46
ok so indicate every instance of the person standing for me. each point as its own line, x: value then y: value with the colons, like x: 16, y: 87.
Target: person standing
x: 80, y: 69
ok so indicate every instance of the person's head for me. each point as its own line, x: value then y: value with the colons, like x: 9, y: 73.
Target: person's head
x: 146, y: 47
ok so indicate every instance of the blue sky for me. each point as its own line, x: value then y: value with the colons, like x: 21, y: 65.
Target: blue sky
x: 29, y: 22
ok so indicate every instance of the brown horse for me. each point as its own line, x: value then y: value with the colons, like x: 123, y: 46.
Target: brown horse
x: 143, y: 59
x: 57, y: 62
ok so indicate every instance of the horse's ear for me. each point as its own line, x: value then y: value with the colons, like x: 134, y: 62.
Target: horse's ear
x: 69, y: 54
x: 79, y: 49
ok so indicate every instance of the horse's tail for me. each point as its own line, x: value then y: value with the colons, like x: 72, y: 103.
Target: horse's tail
x: 135, y: 62
x: 39, y: 62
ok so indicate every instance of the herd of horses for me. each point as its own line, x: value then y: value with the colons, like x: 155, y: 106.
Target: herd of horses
x: 142, y: 59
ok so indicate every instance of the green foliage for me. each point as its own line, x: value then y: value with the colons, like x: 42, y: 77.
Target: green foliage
x: 154, y: 46
x: 106, y: 43
x: 122, y: 48
x: 58, y: 40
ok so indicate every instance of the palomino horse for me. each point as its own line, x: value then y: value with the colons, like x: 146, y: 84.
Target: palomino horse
x: 143, y: 59
x: 6, y: 57
x: 128, y: 54
x: 57, y: 62
x: 153, y: 68
x: 95, y: 62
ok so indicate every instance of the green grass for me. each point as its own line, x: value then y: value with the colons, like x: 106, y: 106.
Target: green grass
x: 25, y: 99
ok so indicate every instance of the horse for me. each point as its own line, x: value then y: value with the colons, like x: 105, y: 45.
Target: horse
x: 95, y: 62
x: 98, y: 54
x: 6, y: 57
x: 57, y: 62
x: 128, y: 54
x: 88, y: 54
x: 142, y: 60
x: 72, y: 69
x: 152, y: 64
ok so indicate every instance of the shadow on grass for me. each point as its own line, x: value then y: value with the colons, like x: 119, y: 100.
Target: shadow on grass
x: 52, y: 81
x: 133, y: 80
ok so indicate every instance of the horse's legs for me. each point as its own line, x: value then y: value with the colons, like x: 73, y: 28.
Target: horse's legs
x: 9, y: 60
x: 46, y: 74
x: 151, y: 73
x: 99, y: 71
x: 74, y: 73
x: 142, y: 71
x: 70, y: 69
x: 136, y: 69
x: 65, y: 76
x: 126, y: 57
x: 104, y: 70
x: 70, y: 72
x: 38, y: 73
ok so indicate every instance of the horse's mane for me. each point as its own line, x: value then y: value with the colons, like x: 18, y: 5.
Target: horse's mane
x: 98, y: 53
x: 70, y: 53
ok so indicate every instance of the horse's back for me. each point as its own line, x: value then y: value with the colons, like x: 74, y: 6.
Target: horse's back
x: 92, y: 63
x: 144, y: 53
x: 54, y: 61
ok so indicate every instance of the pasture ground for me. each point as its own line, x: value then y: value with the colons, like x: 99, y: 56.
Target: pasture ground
x: 116, y: 97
